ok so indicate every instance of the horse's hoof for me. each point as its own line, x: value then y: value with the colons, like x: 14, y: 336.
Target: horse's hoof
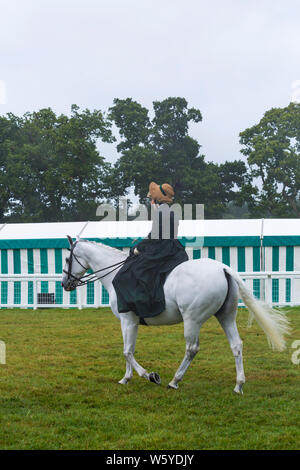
x: 173, y: 386
x: 238, y: 389
x: 155, y: 378
x: 123, y: 381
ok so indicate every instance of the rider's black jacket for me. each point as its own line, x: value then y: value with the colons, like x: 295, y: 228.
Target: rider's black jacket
x: 139, y: 283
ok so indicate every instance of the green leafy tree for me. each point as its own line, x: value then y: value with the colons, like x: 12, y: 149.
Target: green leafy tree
x: 272, y: 148
x: 162, y: 150
x: 53, y: 165
x: 8, y: 131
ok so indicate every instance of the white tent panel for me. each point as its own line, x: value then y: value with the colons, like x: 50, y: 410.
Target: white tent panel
x: 281, y: 227
x: 40, y: 230
x: 136, y: 229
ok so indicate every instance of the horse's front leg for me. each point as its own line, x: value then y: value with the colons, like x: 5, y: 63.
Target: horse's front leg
x: 129, y: 328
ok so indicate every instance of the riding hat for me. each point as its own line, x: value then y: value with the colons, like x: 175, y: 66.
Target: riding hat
x: 161, y: 192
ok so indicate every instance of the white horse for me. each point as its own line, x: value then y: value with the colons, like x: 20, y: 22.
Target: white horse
x: 194, y: 291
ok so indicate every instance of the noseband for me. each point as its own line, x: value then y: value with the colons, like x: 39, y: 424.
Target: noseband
x: 86, y: 278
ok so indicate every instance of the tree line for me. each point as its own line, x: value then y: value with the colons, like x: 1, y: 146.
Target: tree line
x: 52, y: 167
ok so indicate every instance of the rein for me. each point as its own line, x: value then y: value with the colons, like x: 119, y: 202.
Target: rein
x: 87, y: 278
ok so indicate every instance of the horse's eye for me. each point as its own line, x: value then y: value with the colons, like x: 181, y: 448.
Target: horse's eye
x: 67, y: 260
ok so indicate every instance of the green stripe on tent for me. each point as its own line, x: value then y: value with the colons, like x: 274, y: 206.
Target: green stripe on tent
x: 4, y: 270
x: 288, y: 288
x: 73, y: 293
x: 231, y: 241
x: 17, y: 261
x: 17, y: 292
x: 17, y: 270
x: 256, y: 258
x: 4, y: 262
x: 289, y: 262
x: 44, y: 260
x: 289, y: 266
x: 90, y: 293
x: 275, y: 258
x: 4, y: 292
x: 275, y: 290
x: 58, y: 270
x: 275, y: 267
x: 58, y: 260
x: 30, y: 268
x: 256, y: 267
x: 30, y: 262
x: 104, y: 296
x: 73, y: 297
x: 58, y: 293
x: 44, y: 287
x: 30, y: 292
x: 212, y: 252
x: 293, y: 240
x: 44, y: 268
x: 241, y: 259
x: 226, y: 255
x: 127, y: 242
x: 197, y: 254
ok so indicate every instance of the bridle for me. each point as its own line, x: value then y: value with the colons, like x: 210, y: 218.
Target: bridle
x: 86, y: 278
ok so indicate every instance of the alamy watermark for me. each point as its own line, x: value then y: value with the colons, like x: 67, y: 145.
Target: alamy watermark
x: 166, y: 219
x: 296, y: 354
x: 2, y: 352
x: 2, y: 92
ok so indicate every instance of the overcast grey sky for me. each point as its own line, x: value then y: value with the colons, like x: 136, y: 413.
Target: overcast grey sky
x: 232, y: 59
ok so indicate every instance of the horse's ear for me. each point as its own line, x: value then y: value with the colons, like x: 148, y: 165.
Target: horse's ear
x: 70, y: 240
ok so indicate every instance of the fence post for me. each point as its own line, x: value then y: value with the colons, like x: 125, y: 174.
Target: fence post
x: 79, y: 298
x: 97, y: 294
x: 35, y: 294
x: 268, y: 287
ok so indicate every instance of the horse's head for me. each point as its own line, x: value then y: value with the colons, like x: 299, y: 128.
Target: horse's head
x: 75, y: 266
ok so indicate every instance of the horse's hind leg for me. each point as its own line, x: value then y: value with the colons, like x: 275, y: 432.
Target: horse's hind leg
x: 191, y: 334
x: 236, y: 345
x: 227, y: 319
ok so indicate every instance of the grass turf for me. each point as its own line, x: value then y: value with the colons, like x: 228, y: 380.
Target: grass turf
x: 59, y: 388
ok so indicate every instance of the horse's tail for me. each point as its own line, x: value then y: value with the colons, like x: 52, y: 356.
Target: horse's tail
x: 273, y: 322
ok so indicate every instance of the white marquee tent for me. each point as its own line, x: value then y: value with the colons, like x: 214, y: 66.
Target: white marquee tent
x: 247, y: 245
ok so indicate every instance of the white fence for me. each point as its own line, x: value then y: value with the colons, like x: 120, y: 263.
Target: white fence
x: 45, y: 290
x: 279, y: 288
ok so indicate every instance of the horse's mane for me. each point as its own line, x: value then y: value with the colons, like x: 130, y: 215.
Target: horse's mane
x: 97, y: 244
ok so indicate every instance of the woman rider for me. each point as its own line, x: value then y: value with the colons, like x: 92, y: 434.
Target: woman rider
x: 139, y: 283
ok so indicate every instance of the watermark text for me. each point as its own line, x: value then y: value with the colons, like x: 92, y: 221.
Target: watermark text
x: 296, y: 354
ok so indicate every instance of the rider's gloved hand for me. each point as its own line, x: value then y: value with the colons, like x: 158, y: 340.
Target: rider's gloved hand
x: 133, y: 251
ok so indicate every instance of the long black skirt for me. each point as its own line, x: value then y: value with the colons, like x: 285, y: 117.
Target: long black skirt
x: 139, y: 283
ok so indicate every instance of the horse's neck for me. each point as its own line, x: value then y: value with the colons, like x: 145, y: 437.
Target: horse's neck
x: 101, y: 256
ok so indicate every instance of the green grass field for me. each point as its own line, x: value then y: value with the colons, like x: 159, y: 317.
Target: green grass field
x: 59, y: 387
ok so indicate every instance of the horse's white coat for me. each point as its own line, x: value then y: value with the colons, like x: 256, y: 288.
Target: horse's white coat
x: 194, y: 291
